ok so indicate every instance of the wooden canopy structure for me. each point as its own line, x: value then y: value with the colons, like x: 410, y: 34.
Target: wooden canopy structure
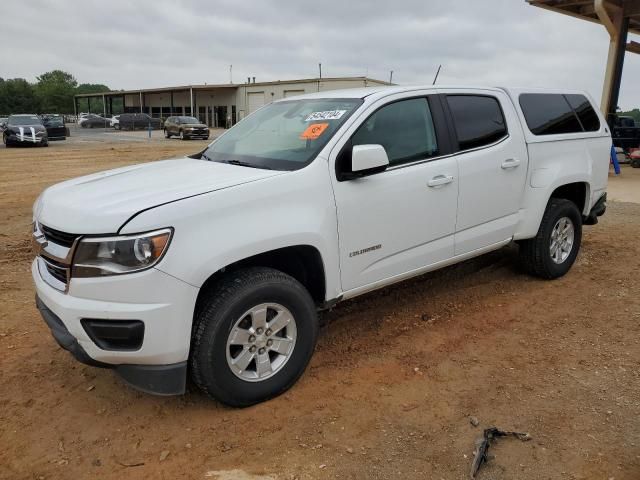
x: 619, y: 17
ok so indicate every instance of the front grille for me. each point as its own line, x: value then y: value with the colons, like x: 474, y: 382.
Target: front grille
x: 56, y: 236
x: 56, y: 270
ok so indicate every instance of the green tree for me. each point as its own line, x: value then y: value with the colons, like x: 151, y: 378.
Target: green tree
x: 17, y: 96
x: 91, y: 88
x: 55, y: 91
x: 635, y: 113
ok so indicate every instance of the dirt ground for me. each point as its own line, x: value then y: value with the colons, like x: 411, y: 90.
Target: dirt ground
x: 396, y: 376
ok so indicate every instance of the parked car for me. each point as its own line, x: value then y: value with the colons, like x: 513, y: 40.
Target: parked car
x: 115, y: 122
x: 56, y: 129
x: 216, y: 264
x: 82, y: 116
x: 25, y: 130
x: 185, y: 128
x: 138, y: 121
x: 95, y: 121
x: 625, y: 133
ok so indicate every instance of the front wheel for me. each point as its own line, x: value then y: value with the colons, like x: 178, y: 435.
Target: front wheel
x: 552, y: 252
x: 182, y: 137
x: 253, y: 336
x: 167, y: 134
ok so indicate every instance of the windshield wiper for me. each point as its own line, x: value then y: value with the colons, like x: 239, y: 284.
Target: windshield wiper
x: 245, y: 164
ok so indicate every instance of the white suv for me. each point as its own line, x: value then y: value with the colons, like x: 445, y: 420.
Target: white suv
x: 217, y: 264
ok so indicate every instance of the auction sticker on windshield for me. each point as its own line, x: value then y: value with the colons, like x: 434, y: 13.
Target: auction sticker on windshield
x: 327, y: 115
x: 314, y: 131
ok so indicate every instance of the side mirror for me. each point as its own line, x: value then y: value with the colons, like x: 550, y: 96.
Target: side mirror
x: 368, y: 159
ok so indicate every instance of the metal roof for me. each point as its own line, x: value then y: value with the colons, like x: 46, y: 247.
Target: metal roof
x: 585, y: 10
x: 228, y: 85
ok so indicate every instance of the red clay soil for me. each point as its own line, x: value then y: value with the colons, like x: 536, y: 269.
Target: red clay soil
x: 396, y: 375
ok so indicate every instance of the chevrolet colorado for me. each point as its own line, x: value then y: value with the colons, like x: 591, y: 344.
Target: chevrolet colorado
x: 216, y: 265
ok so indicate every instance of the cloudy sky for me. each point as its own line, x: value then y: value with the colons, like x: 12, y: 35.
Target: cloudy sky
x: 129, y: 44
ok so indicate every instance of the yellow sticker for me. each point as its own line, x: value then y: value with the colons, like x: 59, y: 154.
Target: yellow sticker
x: 313, y: 131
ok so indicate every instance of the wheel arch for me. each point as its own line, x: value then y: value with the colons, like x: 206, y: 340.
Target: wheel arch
x: 577, y: 192
x: 302, y: 262
x: 576, y: 189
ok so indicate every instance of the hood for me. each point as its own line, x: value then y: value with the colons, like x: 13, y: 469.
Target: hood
x: 26, y: 128
x: 103, y: 202
x: 193, y: 125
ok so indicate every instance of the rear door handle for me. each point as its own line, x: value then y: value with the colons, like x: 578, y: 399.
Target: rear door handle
x: 440, y: 180
x: 510, y: 163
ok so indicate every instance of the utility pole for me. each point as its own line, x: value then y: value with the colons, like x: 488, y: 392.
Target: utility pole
x: 320, y: 69
x: 391, y: 76
x: 230, y: 73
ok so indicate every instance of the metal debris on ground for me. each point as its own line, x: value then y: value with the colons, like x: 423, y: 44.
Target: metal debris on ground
x: 483, y: 443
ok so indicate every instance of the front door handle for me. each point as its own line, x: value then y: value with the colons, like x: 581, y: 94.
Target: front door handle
x: 440, y: 180
x: 510, y: 163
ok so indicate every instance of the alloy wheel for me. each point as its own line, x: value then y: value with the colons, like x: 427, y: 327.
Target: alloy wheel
x: 261, y: 342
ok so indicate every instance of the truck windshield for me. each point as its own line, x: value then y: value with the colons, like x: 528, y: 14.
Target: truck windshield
x: 283, y: 135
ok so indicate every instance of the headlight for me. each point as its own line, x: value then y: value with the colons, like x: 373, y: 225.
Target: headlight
x: 99, y: 256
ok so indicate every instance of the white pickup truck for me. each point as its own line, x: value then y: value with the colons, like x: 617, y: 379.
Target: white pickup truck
x: 216, y: 265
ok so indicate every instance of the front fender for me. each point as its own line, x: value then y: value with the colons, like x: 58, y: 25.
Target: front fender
x: 217, y: 229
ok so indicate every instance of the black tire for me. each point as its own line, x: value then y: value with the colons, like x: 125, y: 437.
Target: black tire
x: 215, y: 318
x: 182, y: 135
x: 635, y: 163
x: 535, y: 255
x: 167, y: 134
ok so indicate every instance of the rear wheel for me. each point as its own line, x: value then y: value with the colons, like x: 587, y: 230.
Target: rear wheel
x: 253, y: 336
x: 552, y: 252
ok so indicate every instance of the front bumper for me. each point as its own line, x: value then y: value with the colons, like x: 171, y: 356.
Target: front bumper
x: 196, y: 134
x: 163, y: 303
x: 26, y: 139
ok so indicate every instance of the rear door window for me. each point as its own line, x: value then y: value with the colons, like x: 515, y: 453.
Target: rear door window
x: 478, y: 120
x: 549, y: 114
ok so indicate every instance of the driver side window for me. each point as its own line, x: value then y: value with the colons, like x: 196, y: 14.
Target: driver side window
x: 405, y: 129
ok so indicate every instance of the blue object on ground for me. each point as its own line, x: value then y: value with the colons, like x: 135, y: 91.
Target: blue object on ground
x: 614, y: 160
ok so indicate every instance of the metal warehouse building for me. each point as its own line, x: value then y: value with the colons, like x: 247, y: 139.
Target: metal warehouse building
x: 216, y: 105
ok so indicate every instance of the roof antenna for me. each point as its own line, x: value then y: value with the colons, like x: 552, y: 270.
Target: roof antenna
x: 437, y: 73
